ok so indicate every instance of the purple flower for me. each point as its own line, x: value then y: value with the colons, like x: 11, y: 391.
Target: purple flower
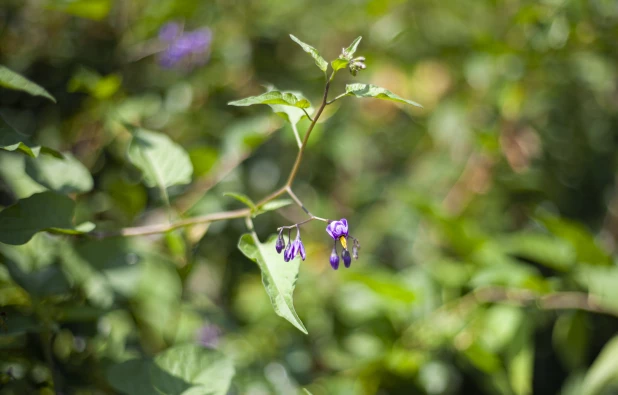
x: 189, y: 48
x: 334, y: 258
x: 294, y: 248
x: 208, y: 335
x: 169, y: 32
x: 338, y: 230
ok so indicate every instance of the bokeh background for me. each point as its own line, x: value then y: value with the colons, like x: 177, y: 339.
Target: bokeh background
x: 487, y: 219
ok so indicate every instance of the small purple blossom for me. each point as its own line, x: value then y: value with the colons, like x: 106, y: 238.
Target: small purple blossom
x: 293, y: 248
x: 338, y: 229
x: 208, y: 335
x: 188, y: 48
x: 334, y: 258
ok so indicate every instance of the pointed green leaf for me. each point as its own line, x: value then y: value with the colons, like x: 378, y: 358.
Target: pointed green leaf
x: 187, y: 369
x: 319, y: 60
x: 241, y: 198
x: 339, y: 64
x: 291, y: 114
x: 352, y: 48
x: 11, y: 80
x: 66, y: 175
x: 273, y: 205
x: 41, y: 211
x: 279, y: 277
x: 368, y: 90
x: 12, y: 140
x: 163, y: 162
x: 273, y: 97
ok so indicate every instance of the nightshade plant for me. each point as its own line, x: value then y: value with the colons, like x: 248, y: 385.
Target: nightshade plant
x: 165, y: 164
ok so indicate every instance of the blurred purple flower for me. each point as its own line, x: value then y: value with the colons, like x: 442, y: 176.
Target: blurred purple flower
x: 186, y: 49
x: 338, y: 230
x: 208, y: 335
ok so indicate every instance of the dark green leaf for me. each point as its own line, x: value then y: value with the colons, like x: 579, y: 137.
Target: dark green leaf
x: 279, y: 277
x: 12, y: 140
x: 163, y: 162
x: 368, y: 90
x: 185, y: 369
x: 66, y: 175
x: 319, y: 60
x: 273, y: 97
x: 11, y: 80
x: 41, y: 211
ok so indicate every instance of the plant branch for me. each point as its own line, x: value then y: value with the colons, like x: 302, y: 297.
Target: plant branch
x: 162, y: 228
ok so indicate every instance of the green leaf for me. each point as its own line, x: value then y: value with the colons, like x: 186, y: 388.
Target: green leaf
x: 368, y: 90
x: 12, y: 140
x: 273, y: 97
x: 339, y: 64
x: 604, y: 371
x: 163, y: 162
x: 291, y: 114
x: 580, y: 238
x: 241, y: 198
x: 11, y: 80
x: 41, y: 211
x: 545, y: 249
x: 279, y: 277
x: 306, y: 391
x: 272, y: 206
x: 90, y: 9
x: 319, y: 60
x: 352, y: 48
x: 66, y: 175
x: 185, y: 369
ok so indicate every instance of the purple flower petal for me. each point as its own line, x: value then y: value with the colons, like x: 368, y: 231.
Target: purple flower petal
x: 336, y: 229
x: 169, y: 32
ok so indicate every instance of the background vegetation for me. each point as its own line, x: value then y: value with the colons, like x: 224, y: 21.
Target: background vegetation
x: 488, y: 219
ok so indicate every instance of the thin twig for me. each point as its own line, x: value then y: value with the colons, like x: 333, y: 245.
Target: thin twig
x: 336, y: 98
x: 295, y: 129
x: 307, y: 114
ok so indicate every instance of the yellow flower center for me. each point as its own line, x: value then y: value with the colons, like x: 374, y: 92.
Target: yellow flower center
x: 344, y: 242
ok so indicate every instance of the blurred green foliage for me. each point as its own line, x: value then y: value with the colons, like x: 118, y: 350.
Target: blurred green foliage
x: 488, y: 218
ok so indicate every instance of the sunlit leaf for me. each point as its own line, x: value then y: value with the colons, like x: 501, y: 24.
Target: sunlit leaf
x: 163, y: 162
x: 351, y: 49
x: 188, y: 369
x: 319, y: 60
x: 241, y: 198
x: 339, y: 64
x: 273, y: 97
x: 279, y: 277
x: 41, y: 211
x: 11, y: 80
x: 273, y: 205
x: 541, y: 248
x: 581, y: 240
x: 90, y: 9
x: 66, y: 175
x: 368, y: 90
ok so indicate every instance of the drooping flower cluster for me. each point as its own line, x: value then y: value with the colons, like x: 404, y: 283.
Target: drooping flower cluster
x: 184, y: 48
x: 338, y: 230
x: 293, y: 248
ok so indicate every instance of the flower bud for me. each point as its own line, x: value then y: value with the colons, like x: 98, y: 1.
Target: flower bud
x: 334, y: 259
x: 280, y: 244
x: 347, y: 259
